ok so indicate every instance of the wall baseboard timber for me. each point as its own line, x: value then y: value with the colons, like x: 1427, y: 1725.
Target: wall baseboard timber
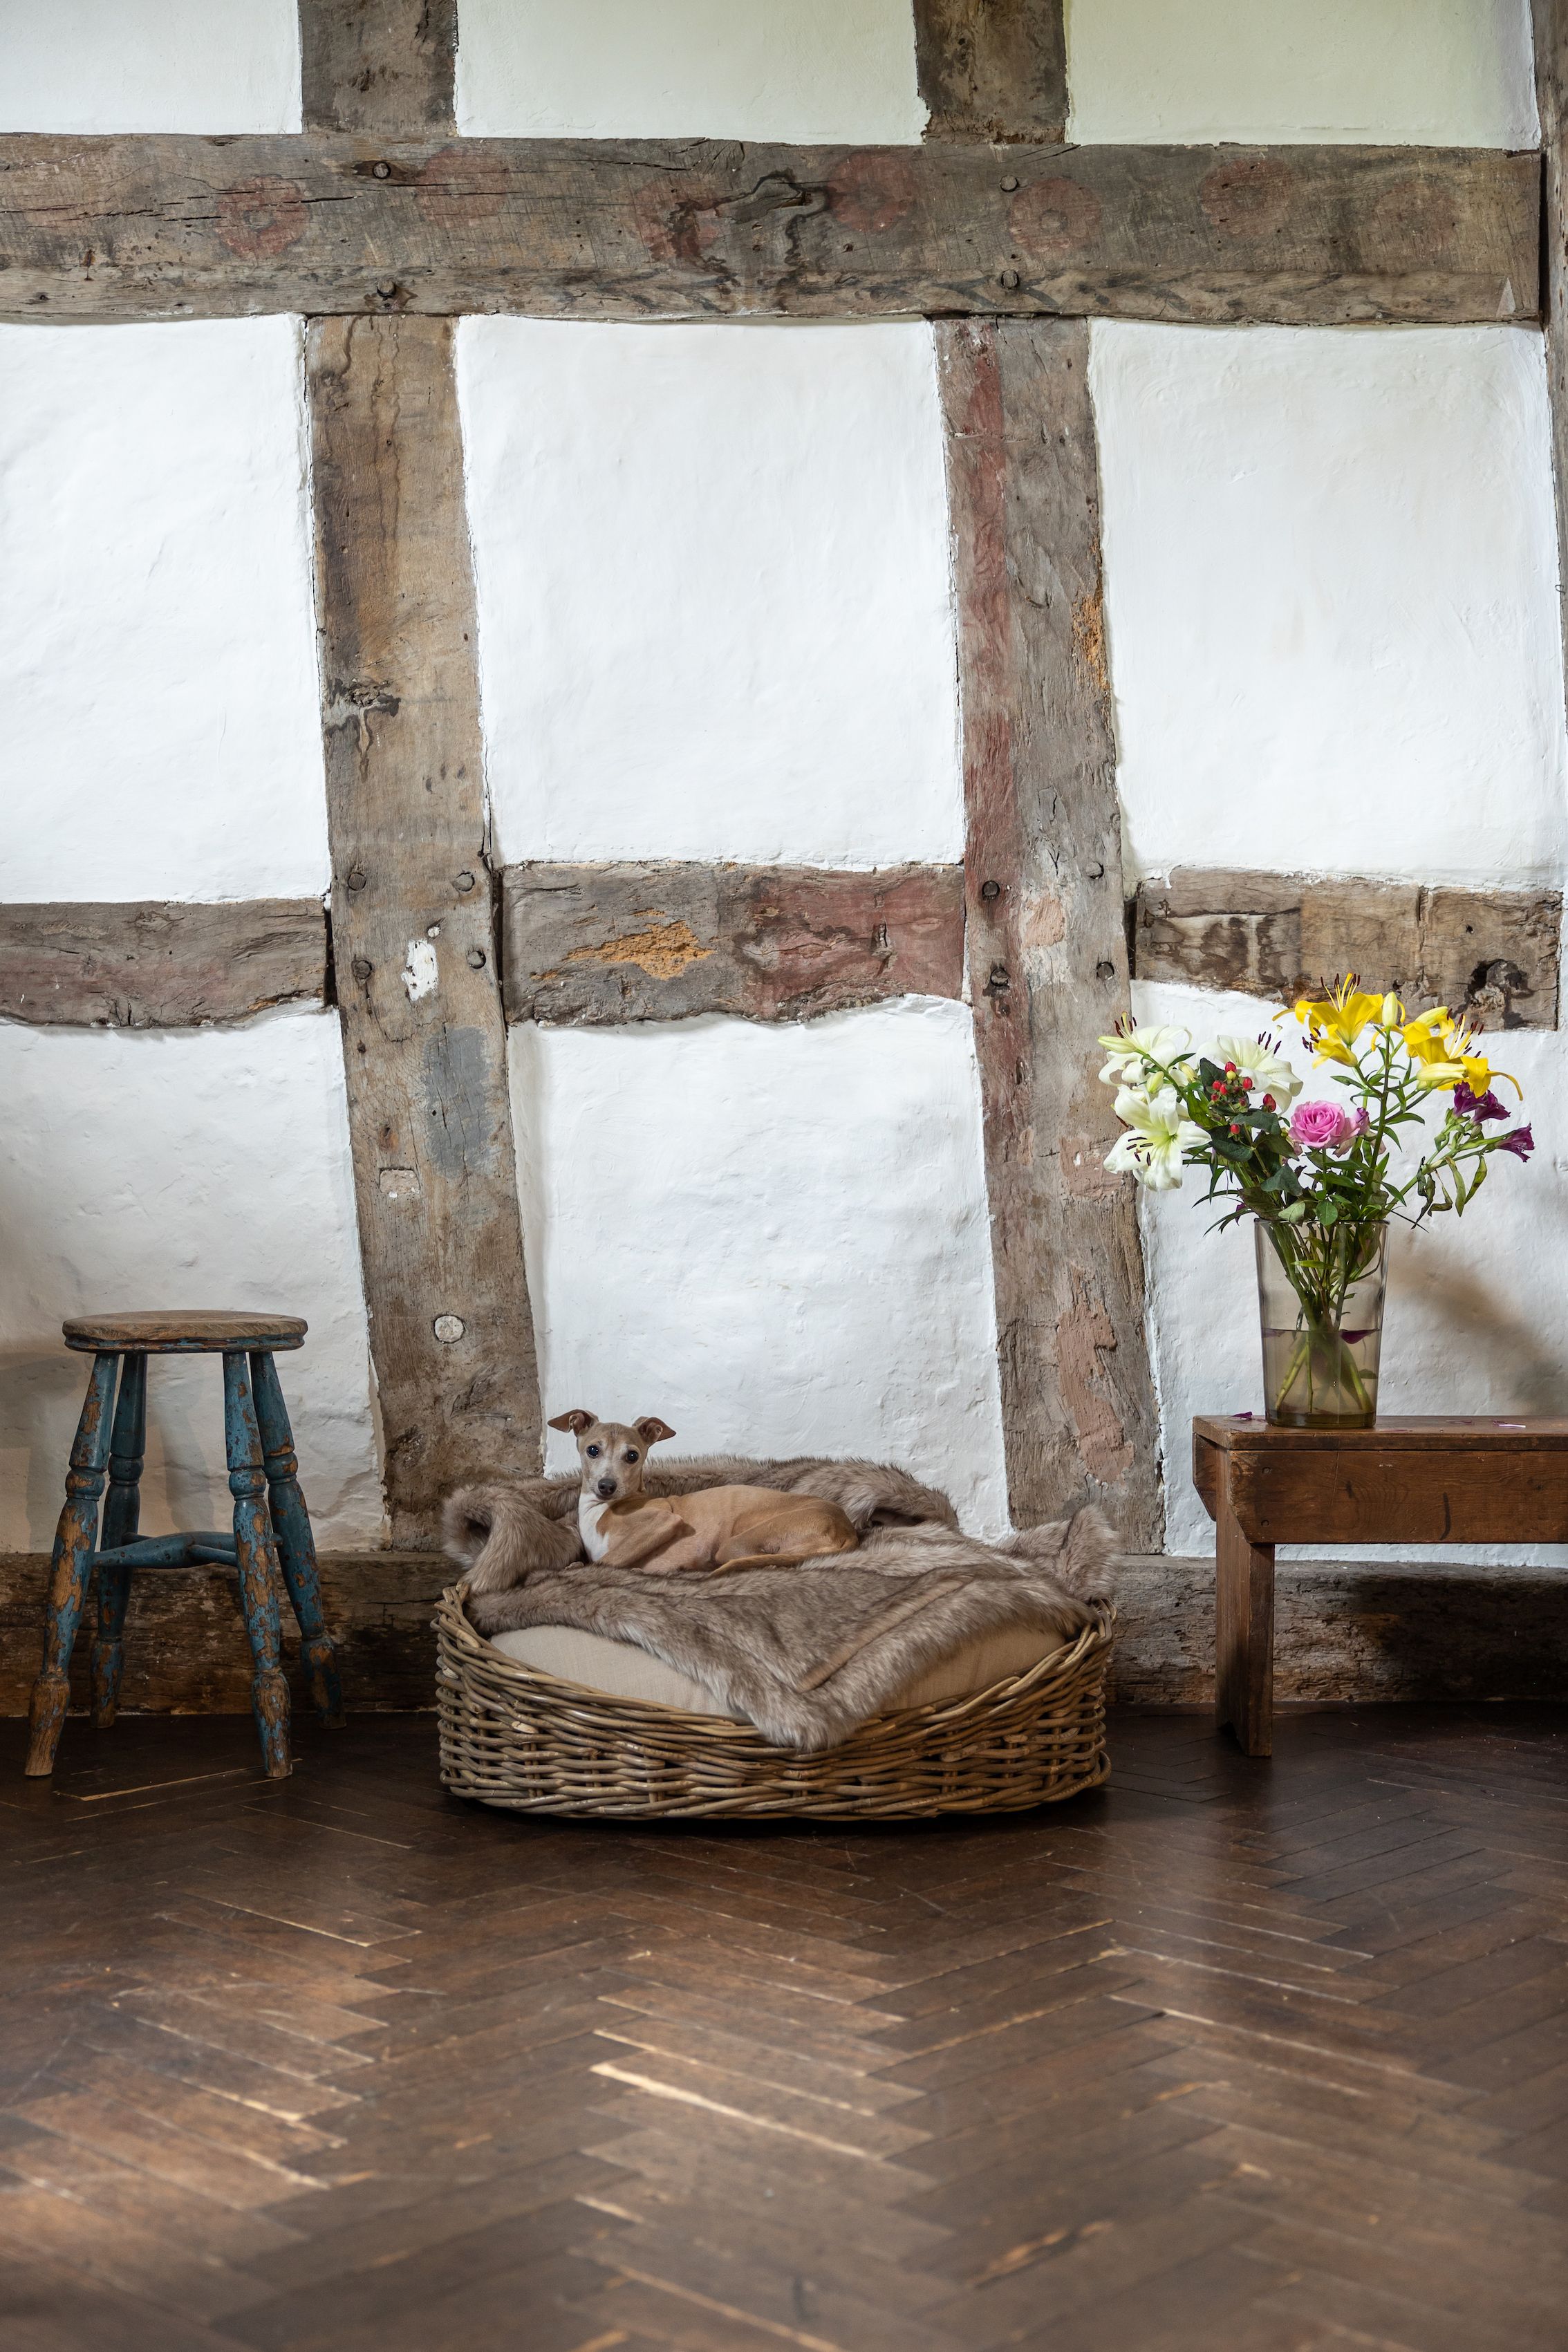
x: 1421, y: 1631
x: 153, y: 965
x: 1274, y: 935
x: 170, y: 227
x: 591, y: 946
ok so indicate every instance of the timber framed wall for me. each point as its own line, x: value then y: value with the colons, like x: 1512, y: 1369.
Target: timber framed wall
x: 393, y: 231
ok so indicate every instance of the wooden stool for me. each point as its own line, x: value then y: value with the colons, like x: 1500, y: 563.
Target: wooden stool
x: 1448, y: 1478
x: 267, y: 1536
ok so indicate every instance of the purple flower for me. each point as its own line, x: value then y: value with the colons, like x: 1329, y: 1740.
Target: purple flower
x: 1325, y: 1126
x: 1522, y: 1143
x: 1477, y: 1106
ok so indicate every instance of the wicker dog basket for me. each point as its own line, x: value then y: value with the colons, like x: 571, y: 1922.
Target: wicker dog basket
x: 515, y: 1737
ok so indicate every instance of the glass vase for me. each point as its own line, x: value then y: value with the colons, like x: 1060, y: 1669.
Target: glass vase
x: 1319, y: 1298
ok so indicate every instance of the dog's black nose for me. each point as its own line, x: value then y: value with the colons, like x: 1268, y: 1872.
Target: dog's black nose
x: 606, y: 1485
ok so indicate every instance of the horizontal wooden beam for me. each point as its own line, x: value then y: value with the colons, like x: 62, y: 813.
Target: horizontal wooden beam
x: 1273, y: 935
x: 588, y: 946
x: 170, y: 227
x: 148, y: 965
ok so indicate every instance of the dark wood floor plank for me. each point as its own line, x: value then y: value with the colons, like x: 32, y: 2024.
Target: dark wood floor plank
x: 349, y: 2068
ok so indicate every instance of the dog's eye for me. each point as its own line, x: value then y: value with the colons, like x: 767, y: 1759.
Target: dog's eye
x: 592, y: 1452
x: 628, y: 1457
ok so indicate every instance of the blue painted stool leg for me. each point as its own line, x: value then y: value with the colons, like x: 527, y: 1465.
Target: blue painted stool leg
x: 122, y: 1516
x: 256, y: 1557
x: 75, y: 1540
x: 295, y: 1544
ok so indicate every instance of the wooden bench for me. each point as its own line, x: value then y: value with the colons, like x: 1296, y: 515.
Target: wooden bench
x: 1430, y: 1480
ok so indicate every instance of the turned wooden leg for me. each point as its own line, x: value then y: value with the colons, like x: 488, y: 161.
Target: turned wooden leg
x: 75, y: 1540
x: 295, y: 1544
x: 1244, y: 1630
x: 257, y: 1558
x: 122, y: 1518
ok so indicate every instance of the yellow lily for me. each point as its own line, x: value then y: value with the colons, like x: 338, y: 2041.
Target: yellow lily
x: 1334, y: 1023
x: 1440, y: 1047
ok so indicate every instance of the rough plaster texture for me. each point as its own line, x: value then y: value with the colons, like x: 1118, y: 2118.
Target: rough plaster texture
x: 149, y: 64
x: 803, y: 69
x: 157, y: 641
x: 713, y: 601
x: 1434, y: 72
x: 1477, y: 1311
x: 1330, y: 585
x: 776, y: 1238
x: 205, y: 1168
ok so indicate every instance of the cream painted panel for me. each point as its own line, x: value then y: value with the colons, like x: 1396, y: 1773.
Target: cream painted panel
x: 205, y: 1168
x: 713, y: 600
x: 1434, y: 72
x: 149, y: 64
x: 1330, y: 585
x: 157, y: 640
x: 1477, y: 1311
x: 776, y: 1238
x: 799, y: 69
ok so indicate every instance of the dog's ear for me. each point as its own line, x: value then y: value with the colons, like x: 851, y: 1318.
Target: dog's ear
x: 576, y: 1421
x: 651, y: 1430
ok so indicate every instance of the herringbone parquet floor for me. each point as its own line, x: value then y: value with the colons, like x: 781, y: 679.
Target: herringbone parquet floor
x: 1268, y: 2056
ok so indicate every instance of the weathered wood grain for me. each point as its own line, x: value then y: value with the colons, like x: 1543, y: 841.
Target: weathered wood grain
x: 1344, y: 1631
x: 594, y: 945
x: 993, y: 68
x: 1551, y: 26
x: 165, y: 226
x: 412, y: 919
x: 1048, y: 958
x: 154, y: 965
x: 1494, y: 952
x: 378, y: 64
x: 185, y: 1649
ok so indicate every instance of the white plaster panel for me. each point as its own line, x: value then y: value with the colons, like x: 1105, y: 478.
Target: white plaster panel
x: 1434, y: 72
x: 714, y: 593
x: 798, y: 70
x: 1330, y: 587
x: 776, y: 1238
x: 149, y: 64
x: 1478, y: 1306
x: 183, y: 1168
x: 157, y: 638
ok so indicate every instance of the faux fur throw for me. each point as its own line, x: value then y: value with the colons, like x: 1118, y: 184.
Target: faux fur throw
x: 806, y: 1653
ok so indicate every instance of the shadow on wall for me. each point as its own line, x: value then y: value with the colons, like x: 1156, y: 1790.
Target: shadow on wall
x: 40, y: 1400
x: 39, y: 1395
x: 1512, y: 1356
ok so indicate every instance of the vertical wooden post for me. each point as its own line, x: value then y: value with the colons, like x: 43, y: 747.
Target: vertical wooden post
x: 993, y: 68
x: 413, y: 926
x: 1047, y: 942
x: 378, y: 64
x: 1551, y: 26
x: 1244, y: 1627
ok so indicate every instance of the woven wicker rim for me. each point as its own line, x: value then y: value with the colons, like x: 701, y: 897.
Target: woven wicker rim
x: 552, y: 1745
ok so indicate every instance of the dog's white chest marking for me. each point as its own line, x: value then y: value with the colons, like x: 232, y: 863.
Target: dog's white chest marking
x: 589, y: 1511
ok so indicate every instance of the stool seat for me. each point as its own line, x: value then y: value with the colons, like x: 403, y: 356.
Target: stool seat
x: 182, y: 1335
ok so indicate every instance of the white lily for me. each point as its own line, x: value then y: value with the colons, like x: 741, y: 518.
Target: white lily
x: 1258, y: 1058
x: 1129, y: 1052
x: 1158, y: 1137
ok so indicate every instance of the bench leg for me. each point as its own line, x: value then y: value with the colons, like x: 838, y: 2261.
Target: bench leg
x: 1244, y: 1633
x: 75, y: 1540
x: 295, y: 1544
x: 122, y: 1518
x: 255, y: 1556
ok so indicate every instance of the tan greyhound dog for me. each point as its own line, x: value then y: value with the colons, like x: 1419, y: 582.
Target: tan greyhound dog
x: 716, y: 1528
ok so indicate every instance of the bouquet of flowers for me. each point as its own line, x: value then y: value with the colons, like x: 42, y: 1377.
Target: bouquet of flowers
x: 1321, y: 1178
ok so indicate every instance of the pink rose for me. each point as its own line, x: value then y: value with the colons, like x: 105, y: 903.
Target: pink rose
x: 1324, y: 1126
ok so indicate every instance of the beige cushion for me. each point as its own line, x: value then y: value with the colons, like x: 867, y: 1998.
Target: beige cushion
x: 623, y: 1670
